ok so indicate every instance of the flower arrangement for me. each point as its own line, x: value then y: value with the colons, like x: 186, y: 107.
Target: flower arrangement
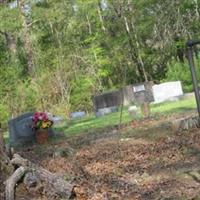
x: 41, y: 120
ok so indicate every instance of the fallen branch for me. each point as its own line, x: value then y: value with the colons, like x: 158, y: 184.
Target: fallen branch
x: 12, y: 181
x: 57, y: 184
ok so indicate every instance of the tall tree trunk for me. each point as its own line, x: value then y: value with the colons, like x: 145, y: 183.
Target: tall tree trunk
x: 89, y: 25
x: 6, y: 168
x: 196, y: 9
x: 134, y: 52
x: 139, y: 56
x: 27, y: 42
x: 10, y: 41
x: 140, y: 59
x: 99, y: 9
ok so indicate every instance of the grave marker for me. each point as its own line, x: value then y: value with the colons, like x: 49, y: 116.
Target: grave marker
x: 20, y: 130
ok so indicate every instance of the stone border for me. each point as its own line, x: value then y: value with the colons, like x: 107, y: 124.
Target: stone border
x: 185, y: 123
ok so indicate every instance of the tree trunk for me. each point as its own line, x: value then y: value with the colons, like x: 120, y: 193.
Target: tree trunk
x: 11, y: 42
x: 6, y: 169
x: 140, y: 61
x: 134, y: 54
x: 5, y: 165
x: 99, y: 9
x: 89, y: 25
x: 27, y: 42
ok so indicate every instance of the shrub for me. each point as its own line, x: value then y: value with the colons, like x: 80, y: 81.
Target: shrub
x: 181, y: 71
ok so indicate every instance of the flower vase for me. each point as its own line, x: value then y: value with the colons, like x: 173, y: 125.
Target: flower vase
x: 41, y: 136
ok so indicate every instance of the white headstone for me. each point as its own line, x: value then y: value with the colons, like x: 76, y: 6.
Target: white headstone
x: 133, y: 111
x: 167, y: 91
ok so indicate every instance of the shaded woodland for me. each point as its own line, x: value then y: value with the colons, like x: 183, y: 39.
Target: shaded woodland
x: 56, y: 54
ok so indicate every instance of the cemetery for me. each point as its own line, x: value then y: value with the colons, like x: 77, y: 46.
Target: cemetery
x: 98, y: 153
x: 141, y: 139
x: 119, y: 146
x: 99, y: 100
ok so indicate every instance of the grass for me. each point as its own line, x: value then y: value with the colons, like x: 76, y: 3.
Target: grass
x: 174, y: 107
x: 92, y: 123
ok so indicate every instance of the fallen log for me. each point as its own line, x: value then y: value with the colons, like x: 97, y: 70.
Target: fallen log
x: 12, y: 181
x: 51, y: 181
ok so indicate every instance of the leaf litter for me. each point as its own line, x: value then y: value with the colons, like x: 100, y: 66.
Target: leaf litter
x: 129, y: 165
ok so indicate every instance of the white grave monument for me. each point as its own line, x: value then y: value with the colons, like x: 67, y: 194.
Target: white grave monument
x: 167, y: 91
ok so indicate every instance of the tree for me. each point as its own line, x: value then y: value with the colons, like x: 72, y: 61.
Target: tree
x: 51, y: 51
x: 6, y: 168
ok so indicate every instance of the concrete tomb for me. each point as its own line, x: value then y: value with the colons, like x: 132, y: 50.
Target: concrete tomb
x: 108, y: 102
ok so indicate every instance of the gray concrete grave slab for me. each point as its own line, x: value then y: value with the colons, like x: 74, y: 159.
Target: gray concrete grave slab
x: 20, y: 130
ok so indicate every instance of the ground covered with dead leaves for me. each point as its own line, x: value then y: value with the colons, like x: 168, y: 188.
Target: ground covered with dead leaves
x: 134, y: 163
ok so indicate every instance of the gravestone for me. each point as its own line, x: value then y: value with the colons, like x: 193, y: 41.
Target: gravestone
x: 136, y: 93
x: 133, y: 112
x: 78, y: 115
x: 107, y: 100
x: 143, y: 96
x: 105, y: 111
x: 20, y: 130
x: 143, y: 93
x: 167, y: 91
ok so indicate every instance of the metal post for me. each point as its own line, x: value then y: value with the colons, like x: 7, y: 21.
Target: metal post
x: 193, y: 73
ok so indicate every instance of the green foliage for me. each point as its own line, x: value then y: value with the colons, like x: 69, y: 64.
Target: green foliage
x: 12, y: 16
x: 4, y: 112
x: 181, y: 71
x: 82, y: 93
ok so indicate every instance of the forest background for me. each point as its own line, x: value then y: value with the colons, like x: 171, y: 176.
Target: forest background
x: 56, y: 54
